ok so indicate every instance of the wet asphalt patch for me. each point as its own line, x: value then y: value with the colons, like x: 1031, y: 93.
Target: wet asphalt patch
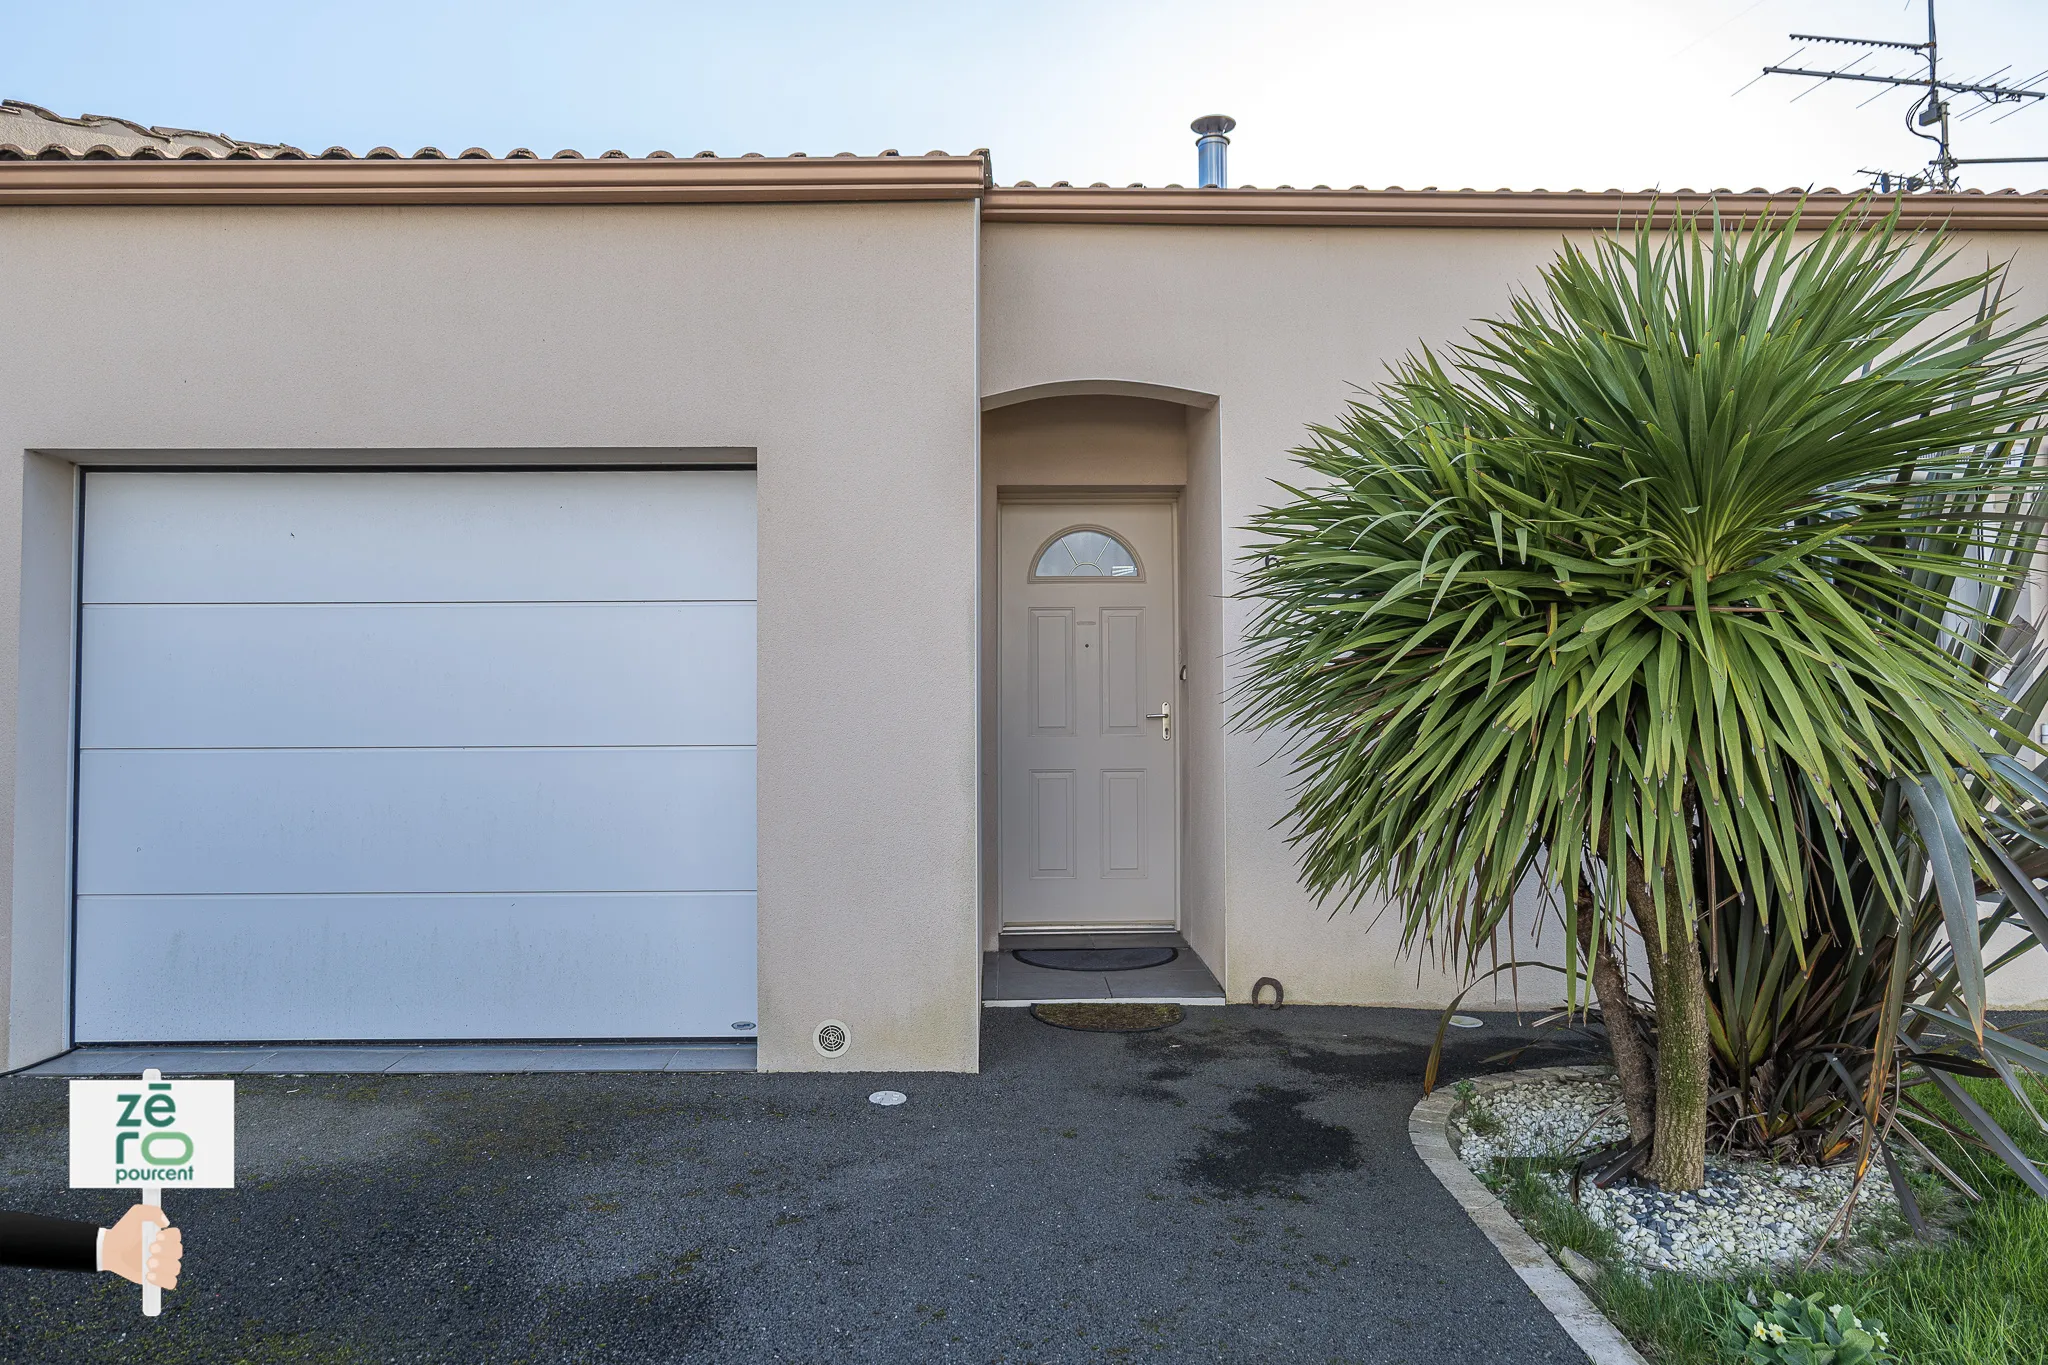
x: 1239, y: 1187
x: 1273, y: 1147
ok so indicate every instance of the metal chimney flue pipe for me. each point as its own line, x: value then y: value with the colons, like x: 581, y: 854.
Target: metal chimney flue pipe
x: 1211, y: 146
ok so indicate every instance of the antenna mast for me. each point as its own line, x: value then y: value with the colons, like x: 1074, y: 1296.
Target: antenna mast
x: 1929, y: 110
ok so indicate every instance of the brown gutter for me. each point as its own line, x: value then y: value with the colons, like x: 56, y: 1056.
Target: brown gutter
x: 1468, y: 208
x: 117, y: 180
x: 606, y: 180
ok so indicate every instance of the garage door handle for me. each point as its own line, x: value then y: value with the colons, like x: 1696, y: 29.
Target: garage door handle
x: 1164, y: 715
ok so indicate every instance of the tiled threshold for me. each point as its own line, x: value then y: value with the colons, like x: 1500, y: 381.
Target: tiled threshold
x: 425, y: 1059
x: 1007, y: 983
x: 1191, y: 1001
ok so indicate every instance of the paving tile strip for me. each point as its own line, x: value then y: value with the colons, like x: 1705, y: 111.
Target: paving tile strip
x: 1429, y: 1129
x: 441, y: 1060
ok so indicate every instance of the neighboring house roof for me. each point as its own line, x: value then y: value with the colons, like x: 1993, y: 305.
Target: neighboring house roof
x: 29, y: 130
x: 48, y: 159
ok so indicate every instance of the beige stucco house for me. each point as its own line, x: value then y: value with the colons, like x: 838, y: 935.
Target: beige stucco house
x: 668, y: 597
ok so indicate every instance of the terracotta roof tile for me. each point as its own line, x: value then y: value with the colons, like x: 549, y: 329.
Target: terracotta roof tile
x: 1789, y: 192
x: 36, y: 133
x: 29, y: 132
x: 1392, y: 206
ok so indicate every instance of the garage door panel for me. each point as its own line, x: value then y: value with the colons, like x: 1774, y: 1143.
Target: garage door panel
x: 265, y: 969
x: 183, y: 822
x: 420, y: 537
x: 437, y: 674
x: 416, y: 755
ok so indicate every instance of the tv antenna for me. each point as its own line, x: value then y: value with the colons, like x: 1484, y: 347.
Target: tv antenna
x: 1929, y: 110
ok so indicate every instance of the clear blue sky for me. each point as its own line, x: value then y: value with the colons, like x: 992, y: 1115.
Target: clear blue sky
x: 1552, y: 93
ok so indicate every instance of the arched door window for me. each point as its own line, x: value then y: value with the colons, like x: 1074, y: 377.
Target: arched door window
x: 1085, y: 552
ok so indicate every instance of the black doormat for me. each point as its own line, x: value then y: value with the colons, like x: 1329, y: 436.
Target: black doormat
x: 1095, y: 959
x: 1108, y: 1016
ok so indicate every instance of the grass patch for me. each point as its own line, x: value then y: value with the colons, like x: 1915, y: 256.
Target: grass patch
x: 1979, y: 1298
x: 1554, y: 1220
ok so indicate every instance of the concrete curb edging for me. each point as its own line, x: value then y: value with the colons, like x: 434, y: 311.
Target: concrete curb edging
x: 1429, y: 1129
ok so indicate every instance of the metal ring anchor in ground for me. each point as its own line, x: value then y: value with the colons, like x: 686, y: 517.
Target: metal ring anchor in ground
x: 1279, y: 992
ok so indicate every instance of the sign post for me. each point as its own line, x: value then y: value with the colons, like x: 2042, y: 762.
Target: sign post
x: 148, y: 1134
x: 152, y: 1296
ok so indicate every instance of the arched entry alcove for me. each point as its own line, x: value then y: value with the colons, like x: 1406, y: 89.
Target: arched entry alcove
x: 1139, y: 462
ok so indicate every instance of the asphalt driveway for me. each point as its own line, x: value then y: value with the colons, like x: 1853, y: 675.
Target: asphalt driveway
x: 1237, y: 1188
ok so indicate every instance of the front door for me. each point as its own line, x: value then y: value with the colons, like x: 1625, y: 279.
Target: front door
x: 1087, y: 690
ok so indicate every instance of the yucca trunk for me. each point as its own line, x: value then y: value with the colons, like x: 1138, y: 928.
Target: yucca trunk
x: 1633, y: 1067
x: 1678, y: 1149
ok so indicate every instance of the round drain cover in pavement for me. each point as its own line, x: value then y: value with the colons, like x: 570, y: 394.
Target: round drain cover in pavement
x: 1108, y: 1016
x: 1095, y: 959
x: 886, y: 1098
x: 1466, y: 1021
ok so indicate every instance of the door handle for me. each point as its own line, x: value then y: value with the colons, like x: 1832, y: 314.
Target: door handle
x: 1164, y: 715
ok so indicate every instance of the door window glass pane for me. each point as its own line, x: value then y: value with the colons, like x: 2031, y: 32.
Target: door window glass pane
x: 1086, y: 553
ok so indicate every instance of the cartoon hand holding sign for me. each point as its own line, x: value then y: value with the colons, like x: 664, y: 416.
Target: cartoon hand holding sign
x: 37, y: 1243
x: 142, y: 1136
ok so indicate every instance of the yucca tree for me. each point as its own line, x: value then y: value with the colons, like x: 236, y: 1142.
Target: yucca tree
x: 1638, y: 587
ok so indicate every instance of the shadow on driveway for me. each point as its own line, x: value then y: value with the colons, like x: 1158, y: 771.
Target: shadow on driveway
x: 1236, y: 1188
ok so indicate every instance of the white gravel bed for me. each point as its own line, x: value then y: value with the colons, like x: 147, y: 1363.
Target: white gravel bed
x: 1748, y: 1214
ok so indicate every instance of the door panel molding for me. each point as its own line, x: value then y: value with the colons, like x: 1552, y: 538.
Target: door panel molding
x: 1052, y: 672
x: 1123, y: 822
x: 1123, y: 641
x: 1052, y: 824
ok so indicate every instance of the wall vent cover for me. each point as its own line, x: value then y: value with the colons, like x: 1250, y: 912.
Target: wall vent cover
x: 831, y: 1039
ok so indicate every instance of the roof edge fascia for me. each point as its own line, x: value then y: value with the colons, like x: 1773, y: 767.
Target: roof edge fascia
x: 1481, y: 209
x: 735, y: 180
x: 849, y: 179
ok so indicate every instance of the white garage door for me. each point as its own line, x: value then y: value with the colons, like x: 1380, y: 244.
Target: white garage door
x: 416, y: 756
